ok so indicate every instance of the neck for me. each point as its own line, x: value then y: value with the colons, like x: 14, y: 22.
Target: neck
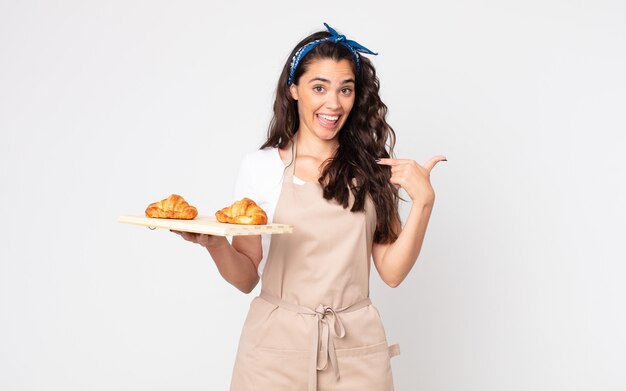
x: 310, y: 145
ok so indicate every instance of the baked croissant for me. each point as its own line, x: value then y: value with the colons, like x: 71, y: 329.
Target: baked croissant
x: 173, y: 207
x: 244, y: 211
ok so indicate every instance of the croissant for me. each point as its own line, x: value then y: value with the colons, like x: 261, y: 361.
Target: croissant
x: 244, y: 211
x: 173, y: 207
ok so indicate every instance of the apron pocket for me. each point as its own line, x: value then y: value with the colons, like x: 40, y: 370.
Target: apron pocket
x: 391, y: 350
x: 279, y: 370
x: 364, y: 368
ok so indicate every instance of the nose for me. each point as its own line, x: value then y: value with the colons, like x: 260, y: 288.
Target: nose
x: 332, y: 101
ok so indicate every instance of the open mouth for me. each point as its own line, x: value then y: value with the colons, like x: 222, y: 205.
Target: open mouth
x: 328, y: 121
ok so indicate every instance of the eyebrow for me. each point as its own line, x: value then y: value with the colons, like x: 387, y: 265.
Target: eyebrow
x: 328, y: 81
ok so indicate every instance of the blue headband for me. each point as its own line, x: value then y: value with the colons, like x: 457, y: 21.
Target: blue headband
x: 353, y: 46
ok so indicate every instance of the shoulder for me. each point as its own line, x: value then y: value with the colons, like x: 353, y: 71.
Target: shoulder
x: 261, y: 158
x: 262, y: 163
x: 262, y: 154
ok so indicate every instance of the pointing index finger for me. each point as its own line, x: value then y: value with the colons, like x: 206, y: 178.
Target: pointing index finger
x: 391, y: 162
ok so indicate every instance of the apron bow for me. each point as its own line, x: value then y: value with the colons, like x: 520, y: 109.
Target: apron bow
x: 328, y: 326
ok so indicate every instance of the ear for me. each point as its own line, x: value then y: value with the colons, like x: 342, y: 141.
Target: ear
x: 293, y: 89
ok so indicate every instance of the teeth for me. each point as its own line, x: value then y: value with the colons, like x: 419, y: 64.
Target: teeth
x: 329, y: 117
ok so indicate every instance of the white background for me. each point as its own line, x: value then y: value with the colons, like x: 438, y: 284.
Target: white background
x: 108, y: 106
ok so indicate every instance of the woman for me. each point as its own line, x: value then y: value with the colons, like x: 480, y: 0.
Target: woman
x: 313, y: 327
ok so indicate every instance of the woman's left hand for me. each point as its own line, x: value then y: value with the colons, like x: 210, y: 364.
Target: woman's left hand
x: 413, y: 178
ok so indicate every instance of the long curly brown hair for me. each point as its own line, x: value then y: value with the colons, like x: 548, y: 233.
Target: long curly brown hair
x: 364, y: 137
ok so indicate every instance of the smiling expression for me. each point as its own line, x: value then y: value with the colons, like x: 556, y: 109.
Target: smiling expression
x: 325, y: 95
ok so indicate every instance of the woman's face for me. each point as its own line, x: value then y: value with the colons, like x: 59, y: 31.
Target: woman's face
x: 325, y: 95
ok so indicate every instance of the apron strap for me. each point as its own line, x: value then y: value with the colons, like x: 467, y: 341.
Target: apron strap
x: 328, y: 327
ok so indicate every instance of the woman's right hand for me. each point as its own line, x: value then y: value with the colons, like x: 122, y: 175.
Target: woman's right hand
x: 205, y: 240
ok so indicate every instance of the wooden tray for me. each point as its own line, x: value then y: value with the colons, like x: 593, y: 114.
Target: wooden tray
x: 206, y: 225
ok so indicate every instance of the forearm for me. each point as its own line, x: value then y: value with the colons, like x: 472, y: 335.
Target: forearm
x: 235, y: 267
x: 400, y: 257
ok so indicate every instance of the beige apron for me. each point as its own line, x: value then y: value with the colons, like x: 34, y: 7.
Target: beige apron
x: 313, y: 327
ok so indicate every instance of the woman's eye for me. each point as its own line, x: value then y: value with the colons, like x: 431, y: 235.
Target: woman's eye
x: 318, y: 89
x: 346, y: 91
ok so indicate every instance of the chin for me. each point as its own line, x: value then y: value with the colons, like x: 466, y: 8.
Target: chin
x: 326, y: 134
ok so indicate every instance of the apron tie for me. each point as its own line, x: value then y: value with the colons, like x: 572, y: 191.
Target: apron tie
x: 328, y: 326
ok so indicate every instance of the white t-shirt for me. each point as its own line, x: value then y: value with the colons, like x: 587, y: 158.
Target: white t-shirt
x: 260, y: 178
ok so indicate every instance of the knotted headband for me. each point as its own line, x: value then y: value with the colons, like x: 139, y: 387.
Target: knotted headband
x: 353, y: 46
